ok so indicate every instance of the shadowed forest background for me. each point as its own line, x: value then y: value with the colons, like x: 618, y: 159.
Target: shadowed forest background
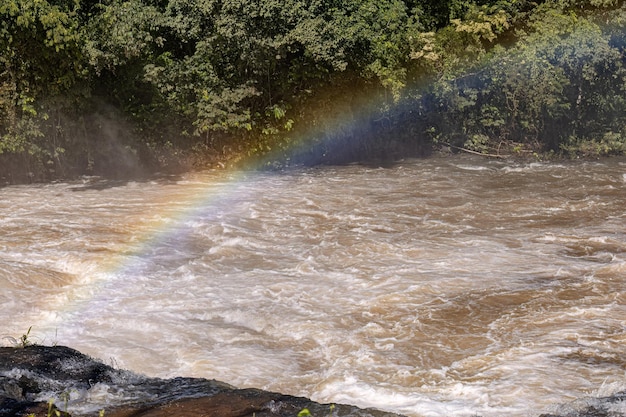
x: 116, y: 88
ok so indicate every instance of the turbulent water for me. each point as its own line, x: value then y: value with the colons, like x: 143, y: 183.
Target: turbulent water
x: 437, y: 287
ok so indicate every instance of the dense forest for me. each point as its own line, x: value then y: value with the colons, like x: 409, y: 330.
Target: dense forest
x: 103, y: 87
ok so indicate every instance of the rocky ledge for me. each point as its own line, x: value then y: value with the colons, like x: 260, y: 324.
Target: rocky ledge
x: 34, y: 380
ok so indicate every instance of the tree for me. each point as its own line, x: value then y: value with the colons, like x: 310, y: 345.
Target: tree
x: 42, y: 70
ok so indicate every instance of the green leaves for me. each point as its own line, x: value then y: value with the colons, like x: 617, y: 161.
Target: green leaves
x: 41, y: 62
x: 561, y: 79
x: 122, y: 31
x: 255, y: 75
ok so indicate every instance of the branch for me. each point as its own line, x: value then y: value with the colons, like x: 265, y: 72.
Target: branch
x: 489, y: 155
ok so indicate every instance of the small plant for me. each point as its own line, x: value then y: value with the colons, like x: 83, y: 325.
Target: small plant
x: 52, y: 410
x: 306, y: 413
x: 24, y: 340
x: 65, y: 396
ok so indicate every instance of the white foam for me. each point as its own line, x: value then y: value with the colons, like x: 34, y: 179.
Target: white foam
x: 473, y: 167
x: 457, y: 400
x: 420, y: 290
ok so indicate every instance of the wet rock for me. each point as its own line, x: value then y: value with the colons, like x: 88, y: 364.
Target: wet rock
x: 236, y: 403
x: 610, y: 406
x: 34, y: 378
x: 11, y: 407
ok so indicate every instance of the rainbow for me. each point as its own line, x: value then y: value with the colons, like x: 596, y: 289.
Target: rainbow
x: 145, y: 233
x: 190, y: 200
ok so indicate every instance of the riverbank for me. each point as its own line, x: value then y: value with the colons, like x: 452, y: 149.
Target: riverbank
x: 37, y: 379
x: 132, y: 163
x: 44, y: 381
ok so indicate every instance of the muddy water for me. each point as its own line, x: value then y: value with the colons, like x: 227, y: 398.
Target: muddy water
x: 435, y: 287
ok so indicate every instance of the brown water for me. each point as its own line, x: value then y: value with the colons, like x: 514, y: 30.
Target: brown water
x: 438, y: 287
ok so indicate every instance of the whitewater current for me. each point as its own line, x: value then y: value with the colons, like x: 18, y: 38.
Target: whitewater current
x: 451, y: 286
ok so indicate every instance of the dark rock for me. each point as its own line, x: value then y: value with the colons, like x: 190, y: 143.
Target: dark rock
x: 610, y: 406
x: 11, y: 407
x: 33, y: 375
x: 59, y: 363
x: 236, y: 403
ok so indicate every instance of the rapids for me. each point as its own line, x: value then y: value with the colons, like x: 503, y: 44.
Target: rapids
x: 438, y: 287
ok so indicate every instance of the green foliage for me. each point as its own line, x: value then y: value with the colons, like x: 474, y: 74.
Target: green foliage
x: 24, y: 340
x: 42, y: 68
x: 52, y: 411
x: 611, y: 143
x: 121, y: 31
x: 41, y: 50
x: 559, y: 85
x: 250, y: 78
x: 306, y: 413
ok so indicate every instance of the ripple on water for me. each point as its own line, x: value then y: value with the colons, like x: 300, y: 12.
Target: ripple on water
x: 436, y: 287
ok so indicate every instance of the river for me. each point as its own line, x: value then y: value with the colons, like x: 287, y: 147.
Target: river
x: 451, y: 286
